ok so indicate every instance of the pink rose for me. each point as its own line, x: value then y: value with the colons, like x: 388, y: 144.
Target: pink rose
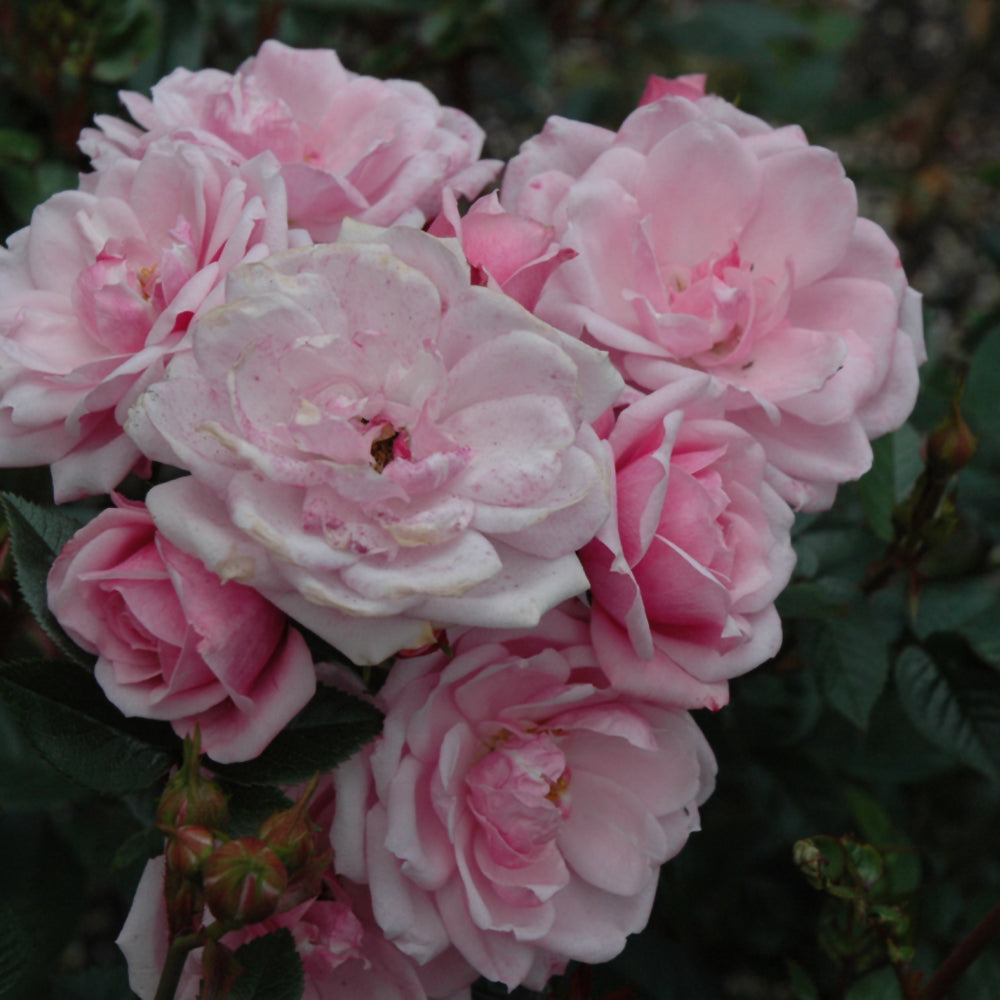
x: 706, y: 239
x: 508, y: 252
x: 174, y: 641
x: 381, y: 447
x: 684, y: 574
x: 514, y: 810
x: 351, y: 146
x: 96, y: 295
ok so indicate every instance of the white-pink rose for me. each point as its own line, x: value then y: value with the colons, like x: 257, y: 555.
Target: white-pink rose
x: 514, y: 810
x: 684, y: 574
x: 97, y: 294
x: 351, y: 146
x: 173, y: 641
x: 381, y: 447
x: 706, y: 239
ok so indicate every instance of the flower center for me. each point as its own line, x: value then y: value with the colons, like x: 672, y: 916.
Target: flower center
x: 383, y: 447
x: 520, y: 790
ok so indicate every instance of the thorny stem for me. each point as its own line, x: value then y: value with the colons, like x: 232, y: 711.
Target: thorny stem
x: 965, y: 953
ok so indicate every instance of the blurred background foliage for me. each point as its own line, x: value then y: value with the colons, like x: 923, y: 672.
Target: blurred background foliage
x: 852, y: 841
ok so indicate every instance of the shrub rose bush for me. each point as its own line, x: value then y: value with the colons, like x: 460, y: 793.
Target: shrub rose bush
x: 706, y: 239
x: 380, y: 151
x: 684, y: 573
x: 173, y: 641
x: 380, y: 447
x: 97, y: 294
x: 515, y: 810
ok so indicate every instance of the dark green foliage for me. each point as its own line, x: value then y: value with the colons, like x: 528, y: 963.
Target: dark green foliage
x: 64, y: 714
x: 328, y: 730
x: 37, y: 536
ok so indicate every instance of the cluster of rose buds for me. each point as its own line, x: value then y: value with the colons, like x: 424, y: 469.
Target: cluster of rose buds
x: 241, y: 880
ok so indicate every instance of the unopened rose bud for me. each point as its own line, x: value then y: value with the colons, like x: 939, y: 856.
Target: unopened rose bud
x: 291, y: 833
x: 243, y: 880
x: 951, y: 444
x: 190, y: 798
x: 187, y: 849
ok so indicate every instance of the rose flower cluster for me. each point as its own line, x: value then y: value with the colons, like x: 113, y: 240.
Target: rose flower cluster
x: 533, y: 462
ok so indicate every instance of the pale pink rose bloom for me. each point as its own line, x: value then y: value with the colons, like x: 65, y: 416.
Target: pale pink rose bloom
x: 351, y: 146
x: 381, y: 447
x: 706, y: 239
x: 508, y: 252
x: 515, y: 810
x: 684, y: 573
x: 96, y: 295
x: 174, y: 641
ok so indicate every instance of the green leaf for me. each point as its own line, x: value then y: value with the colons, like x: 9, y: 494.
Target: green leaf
x: 900, y: 856
x: 329, y: 729
x: 881, y: 984
x: 981, y: 981
x: 803, y: 988
x: 15, y: 950
x: 982, y: 633
x: 19, y: 147
x: 897, y: 464
x: 979, y: 401
x: 63, y: 713
x: 825, y: 597
x: 272, y: 969
x: 945, y: 606
x: 40, y: 901
x: 93, y: 984
x: 820, y: 549
x: 27, y: 781
x: 956, y: 709
x: 133, y: 37
x: 849, y: 656
x: 250, y: 805
x: 37, y: 536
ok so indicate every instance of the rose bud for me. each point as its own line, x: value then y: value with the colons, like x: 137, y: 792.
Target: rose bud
x: 190, y: 798
x: 243, y: 880
x: 187, y: 850
x: 951, y: 444
x: 291, y: 833
x: 302, y: 847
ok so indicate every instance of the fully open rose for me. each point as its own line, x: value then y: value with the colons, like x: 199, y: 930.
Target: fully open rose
x: 381, y: 151
x: 173, y: 641
x: 513, y: 809
x: 684, y: 574
x: 380, y: 447
x: 706, y: 239
x: 98, y: 293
